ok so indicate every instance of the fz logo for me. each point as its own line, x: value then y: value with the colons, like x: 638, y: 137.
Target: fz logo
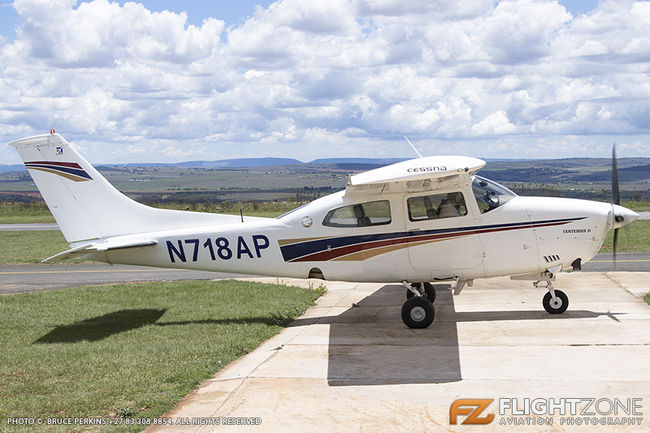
x: 472, y: 408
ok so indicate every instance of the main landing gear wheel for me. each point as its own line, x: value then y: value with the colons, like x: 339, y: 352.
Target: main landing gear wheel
x: 418, y: 312
x: 557, y: 305
x: 429, y: 291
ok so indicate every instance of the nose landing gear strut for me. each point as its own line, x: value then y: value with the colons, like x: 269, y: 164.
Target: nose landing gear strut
x: 554, y: 301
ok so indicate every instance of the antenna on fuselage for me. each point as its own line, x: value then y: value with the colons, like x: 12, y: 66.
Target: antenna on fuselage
x: 413, y: 147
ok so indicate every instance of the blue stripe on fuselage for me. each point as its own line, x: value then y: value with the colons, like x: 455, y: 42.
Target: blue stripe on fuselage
x: 301, y: 249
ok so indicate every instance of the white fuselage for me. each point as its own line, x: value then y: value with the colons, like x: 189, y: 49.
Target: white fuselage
x: 523, y: 236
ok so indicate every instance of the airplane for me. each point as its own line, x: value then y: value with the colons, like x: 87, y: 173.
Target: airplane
x: 415, y: 222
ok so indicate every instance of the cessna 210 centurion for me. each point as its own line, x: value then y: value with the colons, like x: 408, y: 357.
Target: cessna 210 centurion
x: 422, y: 220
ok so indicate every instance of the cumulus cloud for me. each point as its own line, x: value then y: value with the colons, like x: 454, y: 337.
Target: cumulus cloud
x: 311, y: 79
x: 99, y: 34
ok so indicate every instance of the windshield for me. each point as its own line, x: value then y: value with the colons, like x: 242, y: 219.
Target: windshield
x: 490, y: 195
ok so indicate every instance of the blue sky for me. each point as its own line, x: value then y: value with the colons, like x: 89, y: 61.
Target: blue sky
x: 310, y: 79
x: 234, y: 13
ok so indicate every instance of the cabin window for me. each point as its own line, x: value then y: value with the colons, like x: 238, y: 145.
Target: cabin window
x: 490, y: 195
x: 373, y: 213
x: 436, y: 206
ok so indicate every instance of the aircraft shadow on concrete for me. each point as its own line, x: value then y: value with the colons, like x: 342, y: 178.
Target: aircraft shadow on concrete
x: 370, y: 345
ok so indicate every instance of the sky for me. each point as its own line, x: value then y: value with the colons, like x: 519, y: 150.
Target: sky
x: 168, y: 81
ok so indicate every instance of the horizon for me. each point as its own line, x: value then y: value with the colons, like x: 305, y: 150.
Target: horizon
x: 343, y: 159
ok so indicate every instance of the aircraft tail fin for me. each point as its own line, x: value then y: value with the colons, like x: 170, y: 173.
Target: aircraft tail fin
x: 84, y: 204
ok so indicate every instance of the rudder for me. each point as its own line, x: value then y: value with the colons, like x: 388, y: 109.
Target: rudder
x: 84, y: 204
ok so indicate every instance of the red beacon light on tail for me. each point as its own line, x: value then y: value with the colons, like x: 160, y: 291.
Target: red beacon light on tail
x: 52, y: 131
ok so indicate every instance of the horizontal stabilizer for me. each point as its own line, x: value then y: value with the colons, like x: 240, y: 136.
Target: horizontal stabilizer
x: 106, y: 245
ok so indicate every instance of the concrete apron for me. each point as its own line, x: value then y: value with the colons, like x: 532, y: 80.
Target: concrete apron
x: 341, y: 367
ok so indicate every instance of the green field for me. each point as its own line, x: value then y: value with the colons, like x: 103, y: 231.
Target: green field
x: 37, y: 212
x: 638, y: 206
x: 130, y: 350
x: 30, y: 246
x: 24, y: 213
x: 631, y: 238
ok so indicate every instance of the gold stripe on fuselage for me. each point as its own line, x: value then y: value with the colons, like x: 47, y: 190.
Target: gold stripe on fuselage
x: 284, y: 242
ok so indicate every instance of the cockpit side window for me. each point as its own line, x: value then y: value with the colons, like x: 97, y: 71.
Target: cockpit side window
x: 367, y: 214
x: 429, y: 207
x: 490, y: 195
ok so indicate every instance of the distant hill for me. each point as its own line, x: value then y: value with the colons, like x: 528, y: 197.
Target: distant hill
x: 348, y: 163
x: 8, y: 168
x: 355, y: 164
x: 222, y: 163
x: 627, y: 174
x: 240, y: 163
x: 375, y: 161
x: 567, y: 170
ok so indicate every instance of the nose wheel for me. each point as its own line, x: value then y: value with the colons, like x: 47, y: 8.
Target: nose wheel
x: 554, y: 301
x: 557, y: 304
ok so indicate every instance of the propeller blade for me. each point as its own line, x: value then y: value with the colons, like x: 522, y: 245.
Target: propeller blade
x: 615, y: 194
x: 616, y: 198
x: 614, y: 249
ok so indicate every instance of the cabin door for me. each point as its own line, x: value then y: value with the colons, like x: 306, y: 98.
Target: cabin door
x: 442, y: 233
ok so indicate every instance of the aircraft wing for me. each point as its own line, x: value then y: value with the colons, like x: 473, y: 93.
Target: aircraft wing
x: 415, y: 174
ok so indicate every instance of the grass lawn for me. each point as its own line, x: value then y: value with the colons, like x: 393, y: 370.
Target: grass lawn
x: 24, y: 213
x: 30, y: 246
x: 131, y: 350
x: 631, y: 238
x: 638, y: 206
x: 37, y: 212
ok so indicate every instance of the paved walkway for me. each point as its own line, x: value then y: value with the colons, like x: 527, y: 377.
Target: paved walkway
x: 349, y: 364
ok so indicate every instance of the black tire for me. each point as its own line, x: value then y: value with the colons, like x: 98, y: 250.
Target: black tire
x: 428, y: 289
x: 560, y: 305
x: 418, y: 312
